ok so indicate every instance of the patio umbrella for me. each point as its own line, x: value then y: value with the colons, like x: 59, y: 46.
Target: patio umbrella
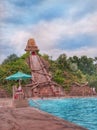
x: 18, y: 76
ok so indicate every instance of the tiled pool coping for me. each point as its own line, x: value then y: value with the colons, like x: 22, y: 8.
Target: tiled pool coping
x: 32, y: 119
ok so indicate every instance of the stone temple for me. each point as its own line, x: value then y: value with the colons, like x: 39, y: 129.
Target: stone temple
x: 41, y: 84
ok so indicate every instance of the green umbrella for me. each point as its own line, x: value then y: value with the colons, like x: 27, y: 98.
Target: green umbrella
x: 18, y: 76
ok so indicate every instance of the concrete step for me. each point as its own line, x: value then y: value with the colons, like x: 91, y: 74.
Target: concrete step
x: 20, y: 103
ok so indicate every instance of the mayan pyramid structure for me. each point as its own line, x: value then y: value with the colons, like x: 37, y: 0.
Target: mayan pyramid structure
x: 42, y: 84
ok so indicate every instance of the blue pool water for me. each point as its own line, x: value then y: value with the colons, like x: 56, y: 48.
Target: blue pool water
x: 82, y: 111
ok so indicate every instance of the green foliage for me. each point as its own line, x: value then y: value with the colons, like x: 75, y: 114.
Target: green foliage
x: 10, y: 68
x: 62, y: 62
x: 76, y: 70
x: 58, y: 77
x: 10, y: 58
x: 46, y: 57
x: 92, y: 80
x: 86, y: 65
x: 73, y: 67
x: 65, y: 71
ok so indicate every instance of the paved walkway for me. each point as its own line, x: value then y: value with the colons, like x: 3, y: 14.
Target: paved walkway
x: 32, y: 119
x: 5, y: 102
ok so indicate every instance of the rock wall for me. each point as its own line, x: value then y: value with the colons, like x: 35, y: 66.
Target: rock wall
x: 81, y: 90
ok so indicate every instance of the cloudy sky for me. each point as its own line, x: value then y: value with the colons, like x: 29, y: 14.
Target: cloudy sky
x: 58, y: 26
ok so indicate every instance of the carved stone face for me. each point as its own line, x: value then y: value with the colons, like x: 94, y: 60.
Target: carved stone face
x: 31, y: 45
x: 31, y: 42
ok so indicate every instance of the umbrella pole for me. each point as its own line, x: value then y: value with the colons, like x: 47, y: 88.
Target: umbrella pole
x: 13, y: 92
x: 20, y: 94
x: 19, y: 82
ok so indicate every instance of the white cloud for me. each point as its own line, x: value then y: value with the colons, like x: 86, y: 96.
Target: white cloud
x: 19, y: 40
x: 88, y: 51
x: 54, y: 53
x: 48, y: 34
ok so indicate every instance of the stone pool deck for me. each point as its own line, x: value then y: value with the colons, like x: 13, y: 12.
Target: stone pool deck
x: 6, y: 102
x: 32, y: 119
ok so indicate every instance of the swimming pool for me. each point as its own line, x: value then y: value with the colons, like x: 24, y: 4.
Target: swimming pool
x: 82, y: 111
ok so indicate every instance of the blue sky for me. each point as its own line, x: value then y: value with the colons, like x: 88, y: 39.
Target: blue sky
x: 58, y: 26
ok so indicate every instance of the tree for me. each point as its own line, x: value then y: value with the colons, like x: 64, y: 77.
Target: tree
x: 86, y: 65
x: 11, y: 66
x: 46, y: 57
x: 73, y: 67
x: 74, y: 59
x: 95, y: 63
x: 62, y: 62
x: 12, y: 57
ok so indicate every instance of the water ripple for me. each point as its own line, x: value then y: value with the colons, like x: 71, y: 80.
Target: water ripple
x: 82, y: 111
